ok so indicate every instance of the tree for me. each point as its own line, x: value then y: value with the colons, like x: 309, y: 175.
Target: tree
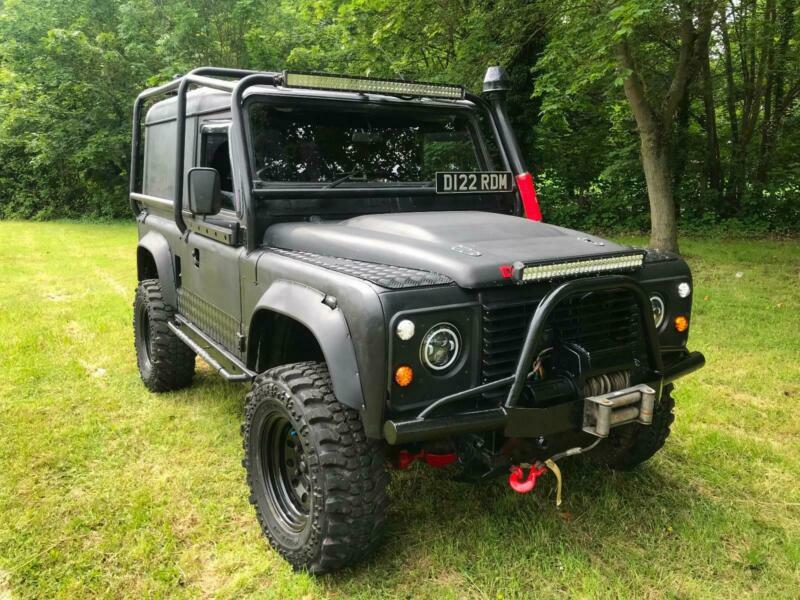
x: 629, y: 111
x: 650, y: 50
x: 782, y: 87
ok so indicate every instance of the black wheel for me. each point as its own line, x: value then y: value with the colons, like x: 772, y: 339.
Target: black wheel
x: 165, y: 362
x: 317, y: 483
x: 630, y: 445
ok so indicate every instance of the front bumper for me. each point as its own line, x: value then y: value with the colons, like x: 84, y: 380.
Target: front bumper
x: 518, y: 421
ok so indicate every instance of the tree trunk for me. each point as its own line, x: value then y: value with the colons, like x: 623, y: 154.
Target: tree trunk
x: 732, y: 191
x: 655, y: 122
x: 680, y: 148
x: 654, y: 134
x: 713, y: 164
x: 760, y: 179
x: 655, y: 161
x: 775, y: 105
x: 767, y: 137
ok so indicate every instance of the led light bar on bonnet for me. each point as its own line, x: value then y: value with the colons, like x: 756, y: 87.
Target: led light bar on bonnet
x: 348, y: 83
x: 586, y: 266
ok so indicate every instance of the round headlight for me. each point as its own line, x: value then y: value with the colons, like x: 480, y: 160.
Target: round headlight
x: 659, y: 312
x: 684, y: 289
x: 440, y: 347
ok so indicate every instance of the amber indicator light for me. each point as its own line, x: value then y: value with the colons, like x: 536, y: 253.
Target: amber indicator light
x: 681, y: 324
x: 403, y: 376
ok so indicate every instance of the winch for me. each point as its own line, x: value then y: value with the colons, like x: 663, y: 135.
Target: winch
x: 627, y: 405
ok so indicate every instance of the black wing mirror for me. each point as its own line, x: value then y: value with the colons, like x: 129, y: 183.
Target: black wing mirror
x: 205, y: 191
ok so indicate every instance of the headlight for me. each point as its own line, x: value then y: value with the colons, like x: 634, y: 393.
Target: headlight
x: 440, y: 347
x: 684, y: 289
x: 659, y: 312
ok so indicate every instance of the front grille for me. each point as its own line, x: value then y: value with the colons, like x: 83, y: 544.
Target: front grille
x: 605, y: 324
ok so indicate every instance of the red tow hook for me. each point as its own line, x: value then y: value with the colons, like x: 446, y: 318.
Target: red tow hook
x: 405, y: 458
x: 521, y: 484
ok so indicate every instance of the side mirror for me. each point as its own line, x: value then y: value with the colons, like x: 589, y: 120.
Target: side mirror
x: 205, y: 191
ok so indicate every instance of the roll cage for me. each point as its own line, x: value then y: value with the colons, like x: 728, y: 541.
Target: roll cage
x: 236, y: 82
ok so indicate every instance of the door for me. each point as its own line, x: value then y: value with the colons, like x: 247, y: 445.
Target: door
x: 209, y: 294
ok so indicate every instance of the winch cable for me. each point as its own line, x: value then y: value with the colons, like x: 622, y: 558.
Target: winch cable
x: 522, y: 485
x: 557, y: 472
x: 537, y: 364
x: 575, y: 451
x: 551, y: 464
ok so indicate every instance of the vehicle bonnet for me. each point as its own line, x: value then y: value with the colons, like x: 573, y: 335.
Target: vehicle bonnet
x: 469, y: 247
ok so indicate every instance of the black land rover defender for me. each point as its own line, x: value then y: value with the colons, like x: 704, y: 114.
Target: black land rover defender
x: 370, y: 254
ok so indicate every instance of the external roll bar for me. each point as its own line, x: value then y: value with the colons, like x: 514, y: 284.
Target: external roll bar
x: 205, y: 76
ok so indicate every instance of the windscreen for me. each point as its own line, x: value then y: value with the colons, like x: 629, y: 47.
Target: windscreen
x: 332, y: 147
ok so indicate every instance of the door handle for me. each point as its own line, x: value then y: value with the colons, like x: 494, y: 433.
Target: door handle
x: 196, y: 256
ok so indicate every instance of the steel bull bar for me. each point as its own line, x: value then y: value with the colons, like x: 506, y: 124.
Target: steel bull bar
x: 608, y: 410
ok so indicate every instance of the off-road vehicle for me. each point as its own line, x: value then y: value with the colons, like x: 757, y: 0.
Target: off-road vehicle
x: 370, y: 254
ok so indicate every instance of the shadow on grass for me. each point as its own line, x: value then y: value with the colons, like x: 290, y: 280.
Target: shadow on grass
x: 614, y: 522
x: 608, y: 521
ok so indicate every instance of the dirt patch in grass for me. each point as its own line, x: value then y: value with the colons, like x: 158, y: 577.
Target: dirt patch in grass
x: 5, y: 586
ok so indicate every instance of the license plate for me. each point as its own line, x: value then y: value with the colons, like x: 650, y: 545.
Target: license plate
x: 473, y: 182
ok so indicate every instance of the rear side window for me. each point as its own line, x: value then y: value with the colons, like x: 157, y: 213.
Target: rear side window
x: 159, y: 160
x: 302, y: 145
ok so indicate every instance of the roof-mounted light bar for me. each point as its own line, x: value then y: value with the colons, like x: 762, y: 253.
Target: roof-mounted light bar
x: 586, y: 266
x: 391, y: 87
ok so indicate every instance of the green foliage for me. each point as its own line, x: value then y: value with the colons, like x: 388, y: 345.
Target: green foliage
x: 592, y: 134
x: 65, y: 106
x: 70, y: 69
x: 608, y: 203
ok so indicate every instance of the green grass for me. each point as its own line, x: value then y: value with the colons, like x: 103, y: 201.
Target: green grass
x: 106, y: 489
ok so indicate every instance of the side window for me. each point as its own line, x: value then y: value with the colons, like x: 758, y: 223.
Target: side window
x: 215, y: 154
x: 159, y: 160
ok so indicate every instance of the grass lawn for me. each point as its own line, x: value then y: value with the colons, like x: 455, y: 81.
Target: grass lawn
x: 106, y: 489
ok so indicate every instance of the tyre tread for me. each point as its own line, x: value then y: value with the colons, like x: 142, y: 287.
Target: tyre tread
x: 350, y: 520
x: 173, y: 362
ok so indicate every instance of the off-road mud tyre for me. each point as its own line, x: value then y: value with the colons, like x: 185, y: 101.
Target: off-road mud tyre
x: 325, y: 510
x: 630, y: 445
x: 165, y: 362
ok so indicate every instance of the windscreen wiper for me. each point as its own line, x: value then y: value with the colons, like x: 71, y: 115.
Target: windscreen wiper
x: 362, y: 176
x: 347, y: 177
